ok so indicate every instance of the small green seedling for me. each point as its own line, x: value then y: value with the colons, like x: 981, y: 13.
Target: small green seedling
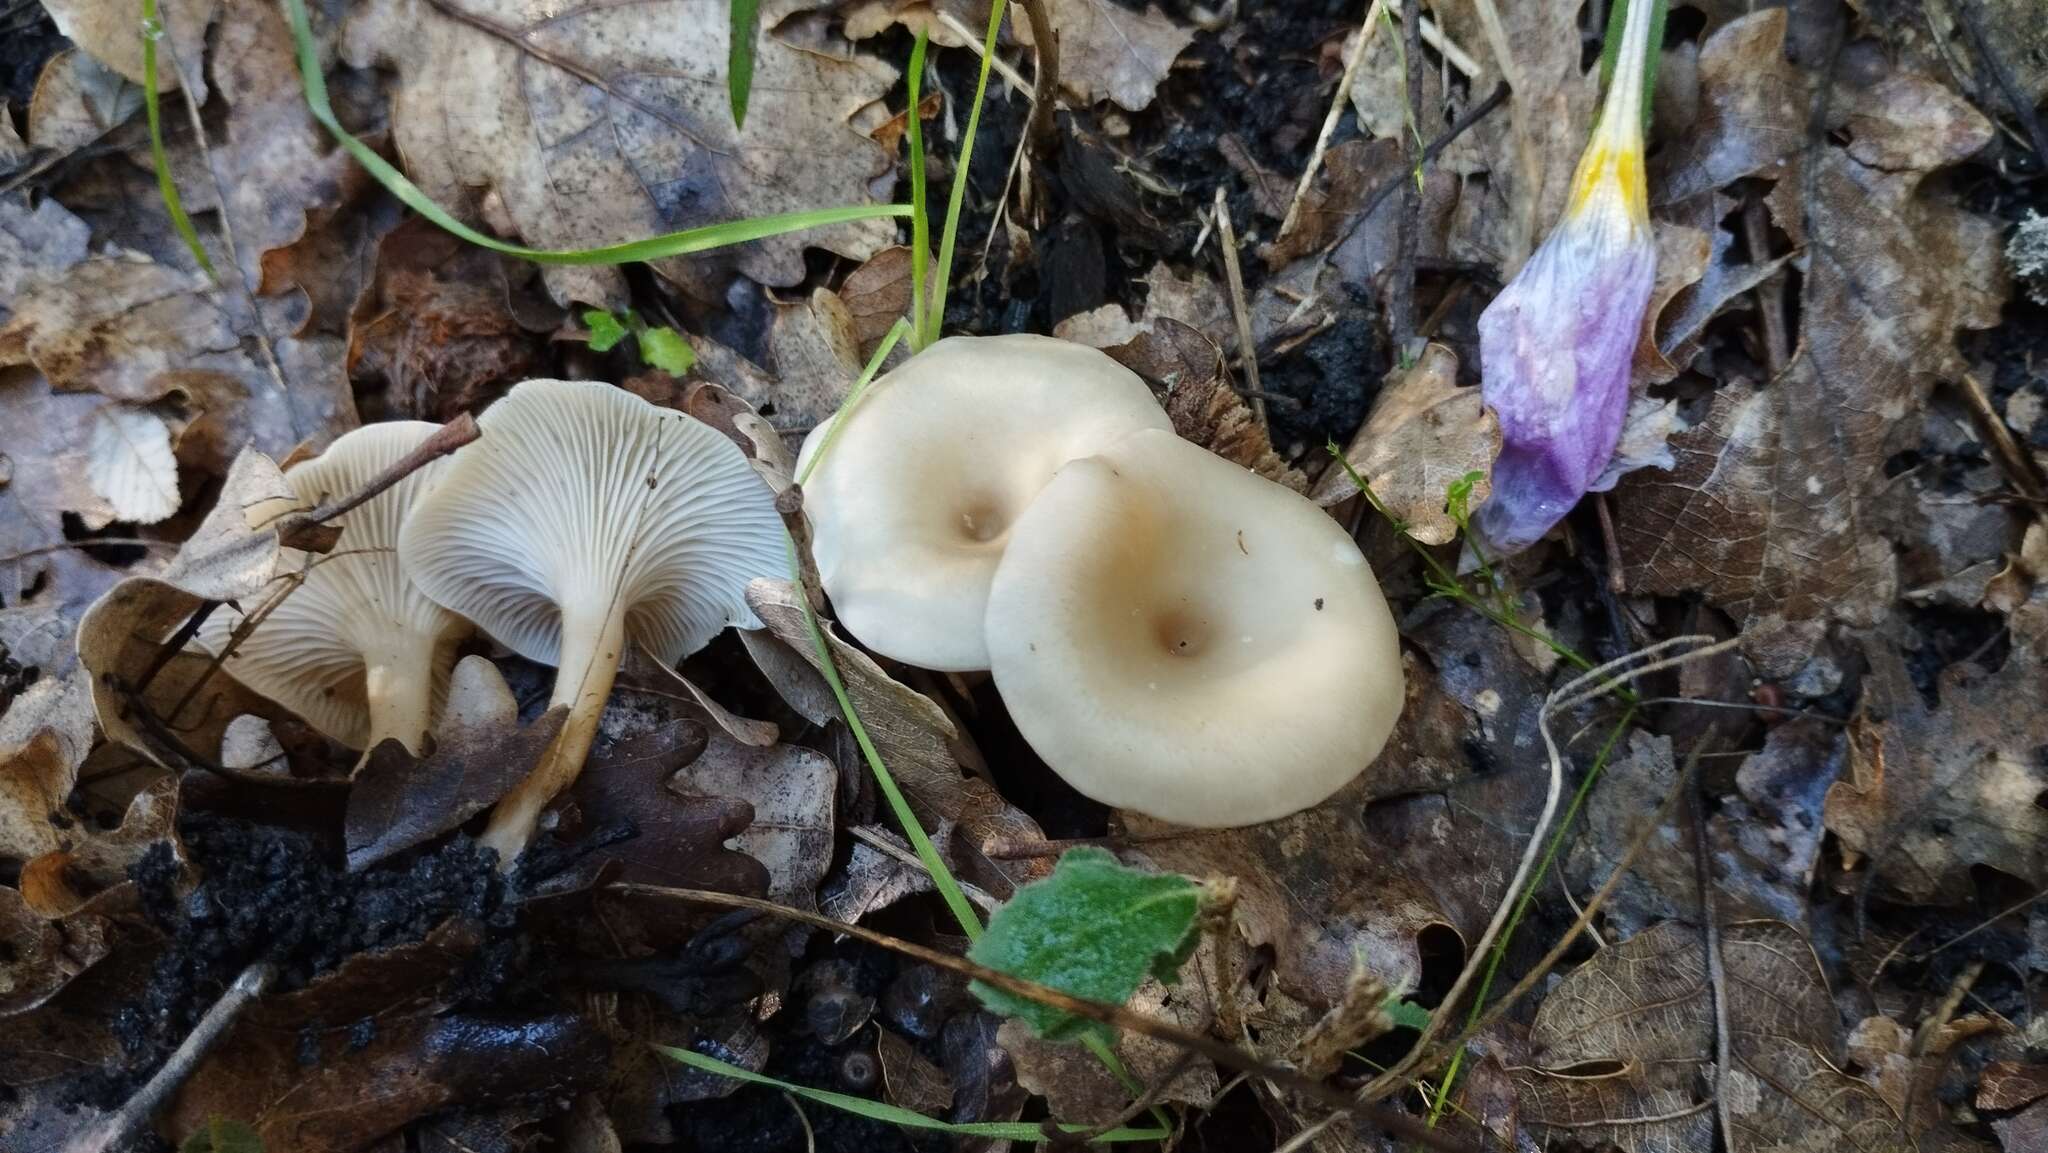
x: 661, y: 347
x: 1095, y: 929
x: 221, y: 1135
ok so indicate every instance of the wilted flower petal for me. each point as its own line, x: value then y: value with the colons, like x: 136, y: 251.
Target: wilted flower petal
x: 1555, y: 346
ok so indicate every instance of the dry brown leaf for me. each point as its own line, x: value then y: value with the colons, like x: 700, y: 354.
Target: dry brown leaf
x: 877, y: 295
x: 1529, y: 155
x: 109, y: 30
x: 1931, y: 792
x: 1109, y: 51
x: 792, y: 789
x: 1623, y: 1051
x: 38, y: 769
x: 871, y: 881
x: 36, y: 243
x: 1683, y: 253
x: 911, y: 1081
x: 914, y: 736
x: 1753, y: 109
x: 91, y: 873
x: 271, y: 160
x: 1768, y: 511
x: 129, y: 464
x: 600, y: 123
x: 1080, y: 1089
x: 1424, y: 434
x: 76, y: 101
x: 39, y: 957
x: 1206, y: 410
x: 1723, y: 283
x: 815, y: 354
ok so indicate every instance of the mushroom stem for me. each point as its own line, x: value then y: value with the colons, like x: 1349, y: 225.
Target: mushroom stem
x: 591, y: 648
x: 398, y: 685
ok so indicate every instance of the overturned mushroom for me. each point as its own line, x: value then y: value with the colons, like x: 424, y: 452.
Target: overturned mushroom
x: 356, y: 649
x: 586, y: 518
x: 1181, y: 637
x: 913, y: 507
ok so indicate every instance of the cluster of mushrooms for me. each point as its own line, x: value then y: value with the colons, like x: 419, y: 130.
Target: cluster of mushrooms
x: 1172, y: 634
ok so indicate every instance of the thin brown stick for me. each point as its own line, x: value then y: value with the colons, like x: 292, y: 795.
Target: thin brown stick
x: 1717, y: 973
x: 1396, y: 1124
x: 2018, y: 464
x: 1400, y: 299
x: 1459, y: 127
x: 1617, y: 582
x: 1247, y: 351
x: 1045, y: 81
x: 446, y: 439
x: 1770, y: 294
x: 138, y: 1109
x: 1330, y: 118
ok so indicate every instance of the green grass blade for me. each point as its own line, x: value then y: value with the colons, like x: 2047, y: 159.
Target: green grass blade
x: 853, y: 397
x: 654, y: 248
x: 920, y: 216
x: 894, y: 1115
x: 739, y: 65
x: 927, y: 853
x: 152, y: 31
x: 937, y: 319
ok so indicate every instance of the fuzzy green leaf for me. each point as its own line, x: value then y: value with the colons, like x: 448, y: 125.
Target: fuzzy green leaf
x: 664, y: 348
x: 1094, y: 929
x: 606, y: 331
x: 223, y: 1136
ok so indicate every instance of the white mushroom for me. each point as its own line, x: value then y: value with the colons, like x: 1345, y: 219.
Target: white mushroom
x: 912, y: 507
x: 356, y: 649
x: 585, y: 518
x: 1176, y: 635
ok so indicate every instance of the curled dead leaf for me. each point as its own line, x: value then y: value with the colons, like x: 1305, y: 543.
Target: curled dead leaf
x: 1424, y: 434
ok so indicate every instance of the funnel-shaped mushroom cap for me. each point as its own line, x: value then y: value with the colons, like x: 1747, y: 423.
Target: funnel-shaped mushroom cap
x: 357, y: 650
x: 913, y: 507
x: 1176, y: 635
x: 580, y: 495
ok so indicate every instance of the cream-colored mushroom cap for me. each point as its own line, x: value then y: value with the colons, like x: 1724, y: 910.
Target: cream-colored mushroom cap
x: 356, y: 649
x: 912, y: 508
x: 1176, y: 635
x: 582, y: 519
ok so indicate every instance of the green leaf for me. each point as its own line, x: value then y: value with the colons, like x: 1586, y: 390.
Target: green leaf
x: 1094, y: 929
x: 664, y: 348
x: 223, y: 1136
x: 1406, y: 1014
x: 1458, y: 498
x: 739, y: 67
x: 878, y: 1111
x: 606, y: 330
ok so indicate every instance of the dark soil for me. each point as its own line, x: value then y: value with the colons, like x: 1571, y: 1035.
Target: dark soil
x: 265, y: 893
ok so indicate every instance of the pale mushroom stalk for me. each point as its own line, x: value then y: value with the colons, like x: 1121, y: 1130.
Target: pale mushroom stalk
x: 592, y: 644
x: 585, y: 519
x: 398, y: 682
x: 353, y: 648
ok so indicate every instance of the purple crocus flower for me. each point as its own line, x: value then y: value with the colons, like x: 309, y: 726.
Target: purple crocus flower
x: 1556, y: 345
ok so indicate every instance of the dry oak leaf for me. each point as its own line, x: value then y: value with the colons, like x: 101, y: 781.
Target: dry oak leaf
x: 604, y: 123
x: 915, y: 737
x: 110, y: 30
x: 1623, y: 1052
x: 1109, y: 51
x: 76, y: 101
x: 38, y: 957
x: 1931, y: 792
x: 1424, y: 434
x: 792, y: 790
x: 92, y: 871
x: 1768, y: 510
x: 1753, y: 109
